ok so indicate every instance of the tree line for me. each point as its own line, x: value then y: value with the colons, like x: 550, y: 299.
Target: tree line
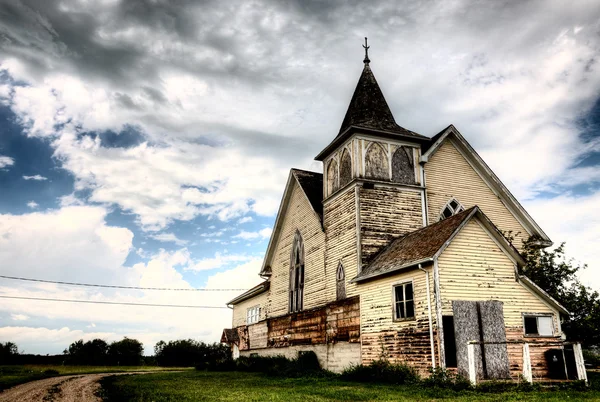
x: 126, y: 352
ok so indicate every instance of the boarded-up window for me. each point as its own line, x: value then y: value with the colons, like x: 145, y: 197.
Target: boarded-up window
x: 340, y: 281
x: 481, y: 322
x: 297, y: 274
x: 403, y: 169
x: 332, y: 177
x: 376, y: 163
x: 345, y: 169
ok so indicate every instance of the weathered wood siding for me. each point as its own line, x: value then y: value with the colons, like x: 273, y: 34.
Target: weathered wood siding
x: 240, y: 309
x: 386, y: 213
x: 335, y: 322
x: 474, y: 268
x: 299, y: 216
x: 448, y: 174
x: 339, y: 216
x: 258, y: 335
x: 399, y: 341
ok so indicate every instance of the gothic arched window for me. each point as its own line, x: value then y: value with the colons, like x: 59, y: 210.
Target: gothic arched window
x: 345, y: 168
x: 452, y: 207
x: 403, y: 169
x: 332, y: 177
x: 376, y: 163
x: 340, y: 282
x: 297, y: 274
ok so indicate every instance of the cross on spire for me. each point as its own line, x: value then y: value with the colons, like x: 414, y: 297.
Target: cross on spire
x: 366, y: 46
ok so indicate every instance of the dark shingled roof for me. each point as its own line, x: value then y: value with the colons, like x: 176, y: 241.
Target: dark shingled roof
x: 230, y: 335
x: 369, y: 109
x: 312, y: 185
x: 415, y: 246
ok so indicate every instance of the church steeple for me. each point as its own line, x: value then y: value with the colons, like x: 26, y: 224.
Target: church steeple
x: 368, y: 107
x: 369, y: 113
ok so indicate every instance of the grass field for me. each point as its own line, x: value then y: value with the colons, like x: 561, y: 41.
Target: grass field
x: 15, y: 375
x: 238, y: 386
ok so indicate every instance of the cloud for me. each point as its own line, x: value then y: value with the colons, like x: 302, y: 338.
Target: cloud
x: 19, y: 317
x: 218, y: 261
x: 32, y: 204
x: 169, y: 237
x: 36, y: 177
x: 70, y: 243
x: 246, y: 219
x: 573, y: 219
x: 6, y: 161
x: 261, y: 234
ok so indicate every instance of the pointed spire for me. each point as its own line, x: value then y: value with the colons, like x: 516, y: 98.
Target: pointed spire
x: 366, y: 46
x: 368, y: 107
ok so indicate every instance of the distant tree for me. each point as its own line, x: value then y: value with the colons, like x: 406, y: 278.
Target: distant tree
x: 91, y: 353
x: 8, y: 352
x: 126, y: 352
x: 557, y: 275
x: 188, y: 353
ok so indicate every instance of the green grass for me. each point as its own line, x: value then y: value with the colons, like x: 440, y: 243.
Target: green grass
x: 239, y: 386
x: 15, y: 375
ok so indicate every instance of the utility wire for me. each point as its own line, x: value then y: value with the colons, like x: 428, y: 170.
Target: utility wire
x: 108, y: 302
x: 117, y: 286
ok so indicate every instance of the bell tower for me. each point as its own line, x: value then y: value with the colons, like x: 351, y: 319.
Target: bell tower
x: 372, y: 181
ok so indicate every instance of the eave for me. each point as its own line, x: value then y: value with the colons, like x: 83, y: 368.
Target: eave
x: 490, y: 178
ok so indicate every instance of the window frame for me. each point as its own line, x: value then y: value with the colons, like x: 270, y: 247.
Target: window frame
x: 394, y: 303
x: 459, y: 208
x: 297, y: 275
x: 253, y: 314
x: 537, y: 316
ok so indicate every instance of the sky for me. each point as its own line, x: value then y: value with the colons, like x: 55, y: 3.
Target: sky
x: 147, y: 142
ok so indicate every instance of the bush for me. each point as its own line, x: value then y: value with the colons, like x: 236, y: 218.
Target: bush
x: 191, y: 353
x: 305, y: 365
x: 591, y: 357
x: 381, y: 371
x: 442, y: 378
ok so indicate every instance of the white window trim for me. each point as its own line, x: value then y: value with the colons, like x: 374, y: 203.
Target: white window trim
x: 394, y: 286
x: 253, y: 314
x: 455, y: 211
x: 537, y: 315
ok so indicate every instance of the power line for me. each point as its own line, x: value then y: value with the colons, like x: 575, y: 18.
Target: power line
x: 108, y: 302
x: 117, y: 286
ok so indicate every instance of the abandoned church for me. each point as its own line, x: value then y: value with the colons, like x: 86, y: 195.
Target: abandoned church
x: 400, y: 250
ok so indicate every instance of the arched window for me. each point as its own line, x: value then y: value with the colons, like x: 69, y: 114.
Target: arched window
x: 340, y: 282
x: 297, y: 274
x: 403, y: 169
x: 345, y: 168
x: 452, y: 207
x: 376, y: 163
x: 332, y: 177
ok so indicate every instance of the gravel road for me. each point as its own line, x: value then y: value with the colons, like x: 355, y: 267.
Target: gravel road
x: 70, y: 388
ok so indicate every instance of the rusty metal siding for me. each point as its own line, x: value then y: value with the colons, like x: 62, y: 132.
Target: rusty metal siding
x: 474, y: 268
x: 448, y: 174
x: 386, y: 213
x: 299, y: 216
x: 239, y: 310
x: 339, y: 218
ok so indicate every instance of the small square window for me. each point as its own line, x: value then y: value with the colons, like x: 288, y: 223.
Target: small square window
x: 538, y: 325
x: 404, y: 304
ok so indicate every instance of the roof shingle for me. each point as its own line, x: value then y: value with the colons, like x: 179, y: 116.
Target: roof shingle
x: 415, y: 246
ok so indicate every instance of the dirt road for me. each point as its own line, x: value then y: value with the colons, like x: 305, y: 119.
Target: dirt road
x: 70, y: 388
